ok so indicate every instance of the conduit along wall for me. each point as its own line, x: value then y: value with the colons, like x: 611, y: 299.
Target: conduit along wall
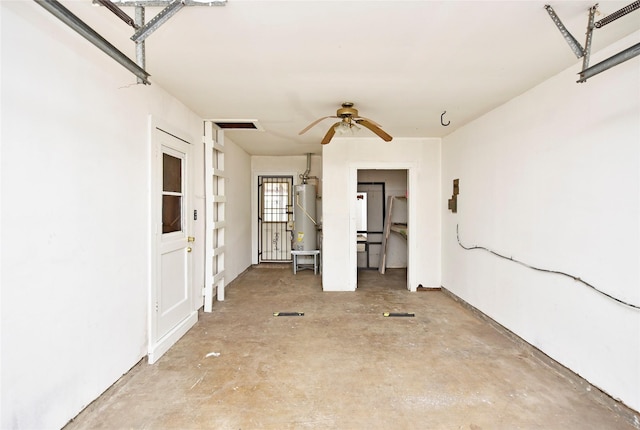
x: 543, y: 212
x: 305, y: 220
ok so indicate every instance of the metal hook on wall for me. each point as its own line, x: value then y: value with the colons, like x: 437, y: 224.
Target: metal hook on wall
x: 442, y: 119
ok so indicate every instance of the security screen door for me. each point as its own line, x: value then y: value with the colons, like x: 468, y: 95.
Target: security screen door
x: 274, y: 218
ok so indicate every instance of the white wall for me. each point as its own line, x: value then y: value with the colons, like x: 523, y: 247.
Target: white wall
x: 341, y: 161
x: 551, y: 178
x: 237, y: 172
x: 75, y: 215
x: 294, y: 165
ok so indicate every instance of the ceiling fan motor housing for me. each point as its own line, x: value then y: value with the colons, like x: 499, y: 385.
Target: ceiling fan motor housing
x: 347, y: 110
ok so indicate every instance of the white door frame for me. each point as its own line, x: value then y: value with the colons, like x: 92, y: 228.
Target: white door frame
x: 412, y: 181
x: 159, y: 345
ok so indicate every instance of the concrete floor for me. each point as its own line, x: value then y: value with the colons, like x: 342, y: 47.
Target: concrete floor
x: 344, y: 366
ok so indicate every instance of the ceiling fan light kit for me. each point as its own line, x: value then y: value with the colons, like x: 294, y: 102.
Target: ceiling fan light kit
x: 346, y: 127
x: 349, y: 123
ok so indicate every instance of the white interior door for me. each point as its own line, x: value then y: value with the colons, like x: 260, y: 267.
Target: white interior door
x: 173, y: 301
x: 172, y: 309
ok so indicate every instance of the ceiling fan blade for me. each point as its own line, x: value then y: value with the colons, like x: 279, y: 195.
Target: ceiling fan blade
x: 377, y: 130
x: 370, y: 120
x: 332, y: 131
x: 304, y: 130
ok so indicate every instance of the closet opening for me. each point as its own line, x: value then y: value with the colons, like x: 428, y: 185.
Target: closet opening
x: 381, y: 224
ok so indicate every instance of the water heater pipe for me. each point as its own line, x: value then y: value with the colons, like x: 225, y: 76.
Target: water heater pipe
x: 305, y: 176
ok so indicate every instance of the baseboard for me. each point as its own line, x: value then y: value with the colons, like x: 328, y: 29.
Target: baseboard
x: 168, y: 340
x: 421, y: 288
x: 99, y: 401
x: 588, y: 389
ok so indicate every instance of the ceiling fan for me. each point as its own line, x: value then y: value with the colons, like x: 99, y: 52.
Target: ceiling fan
x: 349, y: 119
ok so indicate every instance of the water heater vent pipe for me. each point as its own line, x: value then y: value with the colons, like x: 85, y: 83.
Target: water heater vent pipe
x: 305, y: 176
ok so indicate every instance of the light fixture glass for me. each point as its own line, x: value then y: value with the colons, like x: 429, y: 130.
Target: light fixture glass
x: 346, y: 127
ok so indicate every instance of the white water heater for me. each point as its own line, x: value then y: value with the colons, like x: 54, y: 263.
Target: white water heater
x: 304, y: 218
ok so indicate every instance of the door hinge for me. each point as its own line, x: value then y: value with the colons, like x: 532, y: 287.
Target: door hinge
x: 157, y: 308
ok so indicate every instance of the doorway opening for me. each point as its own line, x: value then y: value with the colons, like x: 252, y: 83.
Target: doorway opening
x: 275, y: 218
x: 383, y: 242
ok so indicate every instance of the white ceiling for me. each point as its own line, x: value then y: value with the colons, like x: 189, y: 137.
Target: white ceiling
x: 403, y: 63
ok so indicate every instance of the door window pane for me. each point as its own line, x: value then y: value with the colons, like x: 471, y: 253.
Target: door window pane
x: 171, y: 213
x: 171, y: 173
x: 171, y: 193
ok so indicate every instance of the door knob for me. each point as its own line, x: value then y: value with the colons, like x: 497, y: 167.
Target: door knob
x: 189, y: 249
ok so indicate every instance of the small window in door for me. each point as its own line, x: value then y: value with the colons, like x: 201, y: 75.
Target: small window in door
x: 172, y: 193
x: 275, y: 201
